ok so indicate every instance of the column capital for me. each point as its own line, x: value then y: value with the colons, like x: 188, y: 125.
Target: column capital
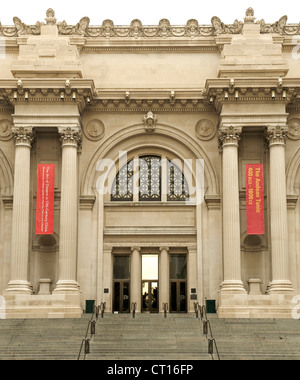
x: 229, y: 135
x: 24, y: 136
x: 135, y: 249
x: 164, y: 248
x: 70, y: 136
x: 276, y: 135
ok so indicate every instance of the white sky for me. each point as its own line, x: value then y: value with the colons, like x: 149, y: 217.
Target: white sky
x: 122, y: 12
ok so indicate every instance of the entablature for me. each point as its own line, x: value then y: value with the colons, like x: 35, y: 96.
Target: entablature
x: 41, y: 90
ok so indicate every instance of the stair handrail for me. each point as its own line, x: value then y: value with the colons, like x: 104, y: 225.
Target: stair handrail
x: 133, y: 308
x: 102, y: 308
x: 207, y: 330
x: 165, y: 309
x: 92, y: 328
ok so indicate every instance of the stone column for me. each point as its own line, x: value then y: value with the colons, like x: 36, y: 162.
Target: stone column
x: 164, y: 278
x: 136, y: 278
x: 21, y: 209
x: 70, y: 138
x: 229, y: 138
x: 278, y: 212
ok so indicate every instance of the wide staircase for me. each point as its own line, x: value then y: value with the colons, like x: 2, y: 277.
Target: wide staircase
x: 257, y: 339
x: 149, y: 337
x: 41, y: 339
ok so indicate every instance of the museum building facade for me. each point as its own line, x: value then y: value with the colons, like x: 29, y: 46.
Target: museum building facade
x: 149, y: 129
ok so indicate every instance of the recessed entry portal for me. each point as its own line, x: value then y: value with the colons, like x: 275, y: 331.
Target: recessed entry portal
x: 150, y: 296
x: 178, y: 286
x: 121, y: 299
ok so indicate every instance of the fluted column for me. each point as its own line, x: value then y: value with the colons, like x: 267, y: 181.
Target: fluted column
x: 136, y: 278
x: 278, y: 212
x: 229, y: 138
x: 21, y: 209
x: 67, y: 282
x: 164, y: 277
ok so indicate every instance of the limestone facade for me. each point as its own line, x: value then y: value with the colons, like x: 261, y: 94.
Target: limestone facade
x: 171, y: 114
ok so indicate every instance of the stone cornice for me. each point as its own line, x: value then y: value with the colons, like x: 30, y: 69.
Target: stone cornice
x: 251, y: 90
x: 78, y: 91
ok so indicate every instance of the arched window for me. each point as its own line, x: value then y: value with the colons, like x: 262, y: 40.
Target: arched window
x: 150, y: 178
x: 122, y: 189
x: 150, y: 181
x: 177, y: 183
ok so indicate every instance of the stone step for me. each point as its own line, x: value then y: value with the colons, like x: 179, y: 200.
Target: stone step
x: 152, y: 337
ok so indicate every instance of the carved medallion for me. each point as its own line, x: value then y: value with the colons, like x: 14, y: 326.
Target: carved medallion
x: 205, y: 129
x: 294, y: 129
x: 5, y: 130
x: 94, y: 129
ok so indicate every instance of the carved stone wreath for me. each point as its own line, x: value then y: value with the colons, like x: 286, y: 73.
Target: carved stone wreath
x: 294, y: 129
x: 94, y: 129
x: 5, y: 130
x: 205, y: 129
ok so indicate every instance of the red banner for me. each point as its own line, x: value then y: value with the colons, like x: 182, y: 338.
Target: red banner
x: 255, y: 199
x: 45, y: 199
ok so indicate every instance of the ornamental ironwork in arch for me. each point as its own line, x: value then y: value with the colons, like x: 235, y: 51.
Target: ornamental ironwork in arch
x: 150, y: 181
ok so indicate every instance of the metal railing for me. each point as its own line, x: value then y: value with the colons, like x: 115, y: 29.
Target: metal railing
x: 201, y: 314
x: 91, y: 329
x: 133, y: 309
x: 165, y: 309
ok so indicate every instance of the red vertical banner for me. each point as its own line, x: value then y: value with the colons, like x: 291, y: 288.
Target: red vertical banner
x: 45, y: 199
x: 255, y: 199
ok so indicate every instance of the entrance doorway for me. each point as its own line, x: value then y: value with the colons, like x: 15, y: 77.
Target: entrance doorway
x: 178, y: 286
x: 121, y: 301
x: 150, y: 296
x: 121, y: 296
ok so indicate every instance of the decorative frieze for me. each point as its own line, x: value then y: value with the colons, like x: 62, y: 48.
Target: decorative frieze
x: 136, y: 29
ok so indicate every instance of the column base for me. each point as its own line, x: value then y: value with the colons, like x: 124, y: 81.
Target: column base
x: 26, y: 306
x: 18, y: 287
x: 255, y: 306
x: 233, y: 287
x: 66, y: 286
x: 280, y: 287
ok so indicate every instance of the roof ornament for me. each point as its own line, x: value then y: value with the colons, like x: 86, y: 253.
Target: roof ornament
x: 249, y: 17
x: 50, y: 19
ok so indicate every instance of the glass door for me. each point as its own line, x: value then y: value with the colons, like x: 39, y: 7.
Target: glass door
x: 121, y: 296
x: 178, y: 287
x: 150, y: 297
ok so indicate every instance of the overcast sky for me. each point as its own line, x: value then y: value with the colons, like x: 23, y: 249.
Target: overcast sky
x: 122, y: 12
